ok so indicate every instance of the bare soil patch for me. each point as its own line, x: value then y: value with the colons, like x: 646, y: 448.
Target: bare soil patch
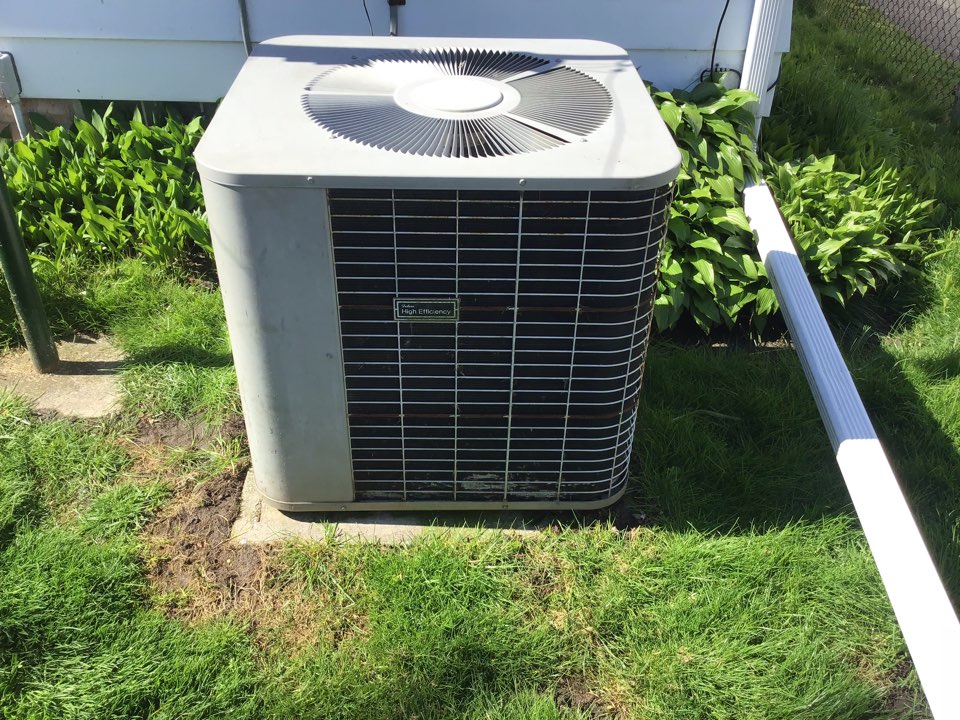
x: 192, y: 564
x: 574, y: 692
x: 185, y: 434
x: 902, y: 701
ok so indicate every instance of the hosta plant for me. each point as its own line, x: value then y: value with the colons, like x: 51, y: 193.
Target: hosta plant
x: 709, y: 269
x: 854, y: 231
x: 108, y: 188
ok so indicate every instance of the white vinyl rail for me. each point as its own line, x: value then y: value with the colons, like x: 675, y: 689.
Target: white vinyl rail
x: 923, y: 610
x: 926, y: 616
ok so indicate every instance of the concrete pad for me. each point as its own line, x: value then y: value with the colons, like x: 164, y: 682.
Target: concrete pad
x: 83, y: 386
x: 259, y: 523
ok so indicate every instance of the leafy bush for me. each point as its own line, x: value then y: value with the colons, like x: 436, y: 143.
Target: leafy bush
x: 109, y: 188
x: 710, y: 268
x: 854, y: 231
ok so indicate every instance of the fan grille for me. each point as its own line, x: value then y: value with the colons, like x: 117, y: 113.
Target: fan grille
x: 553, y: 104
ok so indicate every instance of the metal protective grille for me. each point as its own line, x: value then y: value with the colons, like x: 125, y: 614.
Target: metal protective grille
x: 531, y: 394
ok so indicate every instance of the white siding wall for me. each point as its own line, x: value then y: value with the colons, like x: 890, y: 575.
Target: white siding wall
x: 191, y: 49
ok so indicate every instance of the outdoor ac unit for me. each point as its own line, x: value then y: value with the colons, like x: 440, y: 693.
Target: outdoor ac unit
x: 438, y: 259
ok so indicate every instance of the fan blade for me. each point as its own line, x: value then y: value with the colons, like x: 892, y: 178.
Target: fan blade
x: 357, y: 102
x: 545, y: 128
x: 564, y: 99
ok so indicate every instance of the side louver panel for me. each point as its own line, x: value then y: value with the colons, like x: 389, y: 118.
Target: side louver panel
x: 523, y: 387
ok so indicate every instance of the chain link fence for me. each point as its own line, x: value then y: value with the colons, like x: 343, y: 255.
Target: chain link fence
x: 919, y: 40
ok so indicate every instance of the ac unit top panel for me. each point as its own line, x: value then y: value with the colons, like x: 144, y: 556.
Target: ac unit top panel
x: 337, y: 111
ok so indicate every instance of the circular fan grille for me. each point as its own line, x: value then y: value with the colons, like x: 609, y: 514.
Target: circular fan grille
x: 422, y: 102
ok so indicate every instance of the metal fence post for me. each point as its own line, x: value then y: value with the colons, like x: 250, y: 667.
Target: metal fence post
x: 23, y: 288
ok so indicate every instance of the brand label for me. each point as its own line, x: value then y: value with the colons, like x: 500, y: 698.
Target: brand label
x: 426, y: 310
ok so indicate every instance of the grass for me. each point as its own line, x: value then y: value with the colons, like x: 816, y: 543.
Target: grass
x: 170, y: 327
x: 751, y: 595
x: 651, y: 623
x: 849, y: 95
x: 841, y: 93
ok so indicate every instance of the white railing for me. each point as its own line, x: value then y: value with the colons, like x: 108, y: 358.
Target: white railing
x: 926, y: 616
x: 923, y: 610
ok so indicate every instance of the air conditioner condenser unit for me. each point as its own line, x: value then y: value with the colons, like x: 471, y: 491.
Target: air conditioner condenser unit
x: 438, y: 260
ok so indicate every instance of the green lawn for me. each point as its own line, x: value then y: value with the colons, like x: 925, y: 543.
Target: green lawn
x: 747, y: 592
x: 844, y: 93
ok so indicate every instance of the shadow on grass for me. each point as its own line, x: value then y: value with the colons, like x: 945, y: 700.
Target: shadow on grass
x: 67, y: 313
x: 940, y: 368
x: 185, y: 353
x: 924, y: 456
x: 729, y: 442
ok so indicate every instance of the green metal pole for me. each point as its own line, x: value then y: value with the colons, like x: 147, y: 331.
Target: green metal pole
x: 23, y: 288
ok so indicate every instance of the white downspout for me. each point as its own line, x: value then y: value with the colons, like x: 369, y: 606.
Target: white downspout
x: 761, y: 45
x: 920, y: 602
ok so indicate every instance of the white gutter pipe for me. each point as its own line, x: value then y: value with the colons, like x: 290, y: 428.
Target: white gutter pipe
x: 926, y: 616
x: 759, y: 57
x: 920, y: 602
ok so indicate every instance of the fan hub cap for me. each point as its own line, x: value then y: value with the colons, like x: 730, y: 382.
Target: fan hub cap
x: 456, y: 95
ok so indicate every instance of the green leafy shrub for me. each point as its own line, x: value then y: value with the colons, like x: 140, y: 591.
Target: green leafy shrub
x: 710, y: 269
x: 109, y: 188
x: 854, y: 231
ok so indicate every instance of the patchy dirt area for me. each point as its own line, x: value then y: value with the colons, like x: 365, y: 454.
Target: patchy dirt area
x: 195, y: 571
x: 575, y: 693
x: 901, y: 701
x: 194, y: 568
x: 185, y: 435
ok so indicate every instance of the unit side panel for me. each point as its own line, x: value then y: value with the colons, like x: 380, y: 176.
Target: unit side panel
x: 273, y: 258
